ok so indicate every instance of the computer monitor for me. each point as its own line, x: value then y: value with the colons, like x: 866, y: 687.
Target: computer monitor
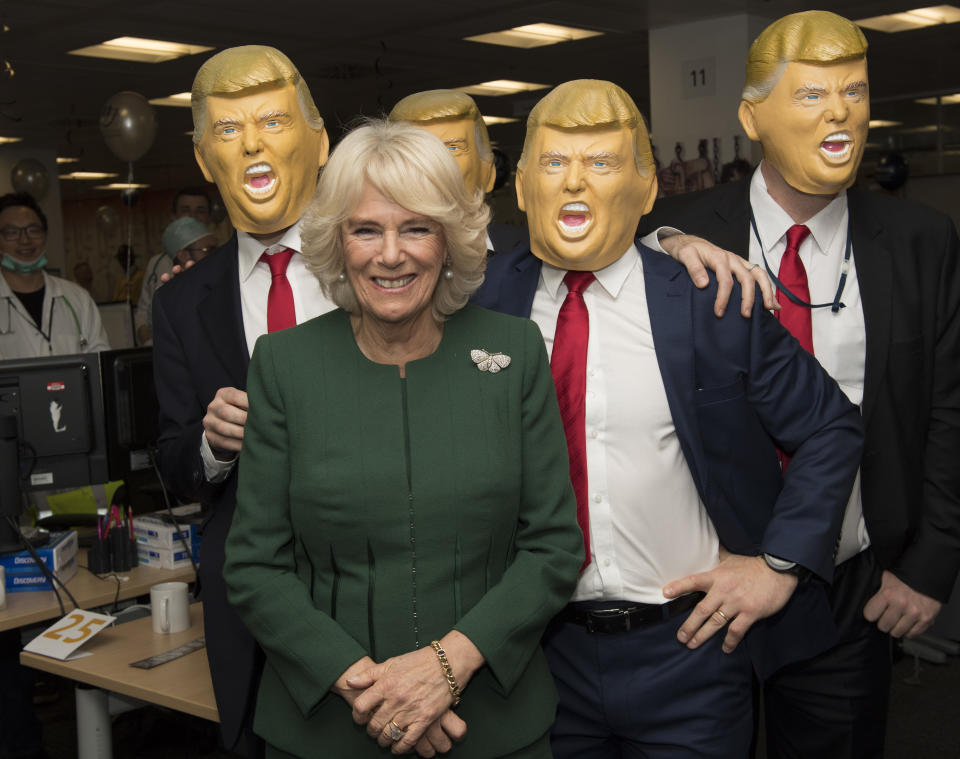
x: 131, y: 415
x: 58, y: 404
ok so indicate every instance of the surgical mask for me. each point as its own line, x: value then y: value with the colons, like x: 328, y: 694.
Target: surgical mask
x: 11, y: 263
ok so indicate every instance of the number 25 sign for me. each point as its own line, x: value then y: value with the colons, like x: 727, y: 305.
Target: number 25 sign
x: 66, y: 635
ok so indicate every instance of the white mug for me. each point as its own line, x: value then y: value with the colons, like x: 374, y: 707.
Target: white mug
x: 3, y: 589
x: 169, y: 607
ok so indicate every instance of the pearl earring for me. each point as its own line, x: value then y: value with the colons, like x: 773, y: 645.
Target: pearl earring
x: 448, y: 273
x: 341, y: 277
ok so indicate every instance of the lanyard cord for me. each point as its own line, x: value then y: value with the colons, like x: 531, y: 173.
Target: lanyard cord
x: 836, y: 305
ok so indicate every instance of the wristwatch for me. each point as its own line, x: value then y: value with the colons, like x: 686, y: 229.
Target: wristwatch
x: 786, y: 567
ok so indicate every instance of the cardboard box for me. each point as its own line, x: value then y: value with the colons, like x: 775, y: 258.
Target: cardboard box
x: 155, y: 532
x: 24, y: 579
x: 56, y: 554
x: 163, y: 558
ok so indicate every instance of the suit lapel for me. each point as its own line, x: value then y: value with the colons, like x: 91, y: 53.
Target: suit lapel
x: 669, y: 293
x: 221, y: 318
x: 874, y: 262
x: 518, y: 287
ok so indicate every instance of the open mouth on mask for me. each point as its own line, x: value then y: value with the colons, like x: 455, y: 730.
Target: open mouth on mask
x: 836, y: 148
x: 259, y: 180
x: 574, y: 219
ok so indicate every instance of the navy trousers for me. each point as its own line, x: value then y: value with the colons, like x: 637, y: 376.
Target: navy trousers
x: 642, y: 694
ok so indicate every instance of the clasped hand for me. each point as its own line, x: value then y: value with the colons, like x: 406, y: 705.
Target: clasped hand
x: 411, y: 692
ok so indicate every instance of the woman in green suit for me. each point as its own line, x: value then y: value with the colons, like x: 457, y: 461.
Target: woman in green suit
x: 405, y: 524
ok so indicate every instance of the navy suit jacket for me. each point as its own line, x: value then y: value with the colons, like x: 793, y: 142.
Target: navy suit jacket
x: 507, y: 238
x: 198, y: 347
x: 736, y: 387
x: 908, y: 267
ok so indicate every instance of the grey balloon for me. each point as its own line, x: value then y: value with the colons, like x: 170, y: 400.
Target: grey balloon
x: 128, y: 125
x: 30, y: 176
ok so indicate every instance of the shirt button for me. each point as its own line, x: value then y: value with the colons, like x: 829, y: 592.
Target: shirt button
x: 593, y: 434
x: 598, y: 499
x: 590, y: 372
x: 606, y: 562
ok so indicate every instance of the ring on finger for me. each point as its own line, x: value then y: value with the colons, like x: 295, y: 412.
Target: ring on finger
x: 396, y: 732
x: 751, y: 267
x: 722, y: 618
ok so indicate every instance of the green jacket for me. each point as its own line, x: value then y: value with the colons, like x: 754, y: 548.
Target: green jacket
x: 374, y: 514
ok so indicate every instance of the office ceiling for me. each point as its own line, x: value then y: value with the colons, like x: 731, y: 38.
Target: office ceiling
x: 361, y: 56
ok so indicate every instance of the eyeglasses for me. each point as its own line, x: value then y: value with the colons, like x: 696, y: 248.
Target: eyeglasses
x: 194, y: 253
x: 12, y: 233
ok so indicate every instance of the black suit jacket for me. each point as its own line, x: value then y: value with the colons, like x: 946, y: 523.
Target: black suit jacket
x: 731, y: 384
x: 198, y: 347
x: 907, y: 266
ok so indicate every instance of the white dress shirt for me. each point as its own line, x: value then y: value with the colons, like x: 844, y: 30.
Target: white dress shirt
x: 647, y: 524
x: 255, y: 278
x: 839, y: 339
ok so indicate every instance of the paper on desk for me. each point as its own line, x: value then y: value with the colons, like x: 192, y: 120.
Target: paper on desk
x: 65, y: 636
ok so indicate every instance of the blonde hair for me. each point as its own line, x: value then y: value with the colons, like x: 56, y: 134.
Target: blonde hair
x: 444, y: 105
x: 411, y: 168
x: 590, y: 104
x: 237, y: 69
x: 807, y: 37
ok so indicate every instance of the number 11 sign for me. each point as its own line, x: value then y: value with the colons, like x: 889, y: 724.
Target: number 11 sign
x: 64, y: 637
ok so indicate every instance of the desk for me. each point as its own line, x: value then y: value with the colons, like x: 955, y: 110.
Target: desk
x: 183, y: 684
x: 89, y: 590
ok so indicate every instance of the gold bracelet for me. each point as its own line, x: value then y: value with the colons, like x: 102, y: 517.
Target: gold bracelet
x: 447, y: 672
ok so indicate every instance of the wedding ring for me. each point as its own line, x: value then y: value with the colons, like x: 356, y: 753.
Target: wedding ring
x: 751, y: 267
x: 396, y: 732
x: 723, y: 617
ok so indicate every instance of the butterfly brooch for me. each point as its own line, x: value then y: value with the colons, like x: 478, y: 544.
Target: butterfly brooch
x: 489, y: 362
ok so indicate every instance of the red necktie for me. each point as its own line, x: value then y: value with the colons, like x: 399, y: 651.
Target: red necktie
x: 794, y: 277
x: 796, y: 319
x: 568, y: 364
x: 280, y: 309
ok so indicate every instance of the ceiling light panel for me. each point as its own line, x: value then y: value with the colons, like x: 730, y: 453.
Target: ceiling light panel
x: 121, y: 186
x: 494, y: 120
x: 140, y: 50
x: 913, y: 19
x: 179, y: 100
x: 501, y: 87
x: 7, y: 140
x: 534, y: 35
x: 944, y: 100
x: 89, y: 175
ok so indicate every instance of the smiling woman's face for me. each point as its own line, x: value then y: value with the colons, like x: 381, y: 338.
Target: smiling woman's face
x: 813, y: 125
x: 392, y: 258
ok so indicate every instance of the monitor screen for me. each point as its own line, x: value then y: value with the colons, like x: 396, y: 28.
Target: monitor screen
x: 59, y: 407
x: 130, y: 406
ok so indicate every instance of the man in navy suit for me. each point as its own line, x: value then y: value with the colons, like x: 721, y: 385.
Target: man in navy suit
x: 259, y: 136
x: 690, y: 528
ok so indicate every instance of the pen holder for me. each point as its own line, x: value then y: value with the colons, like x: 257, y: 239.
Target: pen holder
x: 132, y: 558
x: 118, y: 551
x: 98, y: 557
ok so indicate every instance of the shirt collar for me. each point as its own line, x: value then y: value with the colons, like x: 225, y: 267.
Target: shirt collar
x: 610, y: 277
x: 249, y: 250
x: 773, y: 222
